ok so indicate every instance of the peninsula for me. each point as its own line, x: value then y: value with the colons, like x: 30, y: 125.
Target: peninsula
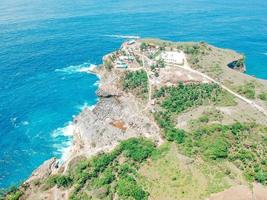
x: 175, y: 120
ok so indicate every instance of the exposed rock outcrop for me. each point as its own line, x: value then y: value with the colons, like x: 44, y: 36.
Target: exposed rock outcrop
x: 45, y: 170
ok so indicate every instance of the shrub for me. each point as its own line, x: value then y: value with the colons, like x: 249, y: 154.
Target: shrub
x: 59, y: 180
x: 238, y: 128
x: 182, y: 97
x: 204, y: 119
x: 136, y: 81
x: 143, y: 46
x: 128, y: 188
x: 14, y: 195
x: 216, y: 149
x: 137, y: 149
x: 176, y: 135
x: 126, y: 169
x: 106, y: 178
x: 64, y: 181
x: 263, y: 96
x: 100, y: 162
x: 261, y: 177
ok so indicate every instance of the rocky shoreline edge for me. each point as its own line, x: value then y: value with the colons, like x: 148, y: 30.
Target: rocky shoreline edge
x: 100, y: 129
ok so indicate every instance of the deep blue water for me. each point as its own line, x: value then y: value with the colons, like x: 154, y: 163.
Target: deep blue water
x: 38, y: 38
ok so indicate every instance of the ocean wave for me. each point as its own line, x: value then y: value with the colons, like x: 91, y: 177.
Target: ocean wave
x: 265, y: 53
x: 97, y: 83
x: 63, y: 148
x: 64, y: 131
x: 86, y: 105
x: 85, y: 67
x: 124, y: 36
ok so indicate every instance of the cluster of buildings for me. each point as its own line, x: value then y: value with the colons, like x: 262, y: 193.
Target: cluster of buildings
x: 123, y: 60
x: 169, y: 57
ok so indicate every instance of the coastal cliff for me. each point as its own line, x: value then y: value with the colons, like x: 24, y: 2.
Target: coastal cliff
x: 164, y: 118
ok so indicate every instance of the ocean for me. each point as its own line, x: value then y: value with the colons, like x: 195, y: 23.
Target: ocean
x: 45, y: 45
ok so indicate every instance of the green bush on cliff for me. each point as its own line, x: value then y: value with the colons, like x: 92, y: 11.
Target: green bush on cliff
x: 129, y: 189
x: 137, y: 82
x: 217, y: 148
x: 263, y: 96
x: 137, y: 149
x: 106, y: 177
x: 176, y: 135
x: 176, y: 99
x: 59, y: 180
x: 14, y: 195
x: 111, y: 170
x: 181, y: 97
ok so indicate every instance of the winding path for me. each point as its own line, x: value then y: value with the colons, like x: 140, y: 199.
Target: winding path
x: 252, y: 103
x: 187, y: 67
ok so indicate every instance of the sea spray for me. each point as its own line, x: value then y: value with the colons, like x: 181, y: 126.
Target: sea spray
x: 85, y: 67
x: 64, y: 148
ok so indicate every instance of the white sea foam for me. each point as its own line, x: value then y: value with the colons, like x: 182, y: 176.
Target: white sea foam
x: 97, y: 83
x: 25, y: 123
x: 85, y: 67
x: 124, y: 36
x: 65, y: 147
x: 65, y: 131
x: 86, y: 105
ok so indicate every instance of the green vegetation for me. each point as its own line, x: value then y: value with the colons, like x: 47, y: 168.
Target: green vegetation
x: 174, y: 100
x: 194, y: 51
x: 136, y: 149
x: 108, y: 174
x: 239, y: 143
x: 180, y: 98
x: 136, y: 82
x: 128, y: 187
x: 263, y: 96
x: 143, y: 46
x: 59, y: 180
x: 174, y: 176
x: 12, y: 193
x: 217, y: 148
x: 240, y: 63
x: 248, y: 90
x: 14, y: 196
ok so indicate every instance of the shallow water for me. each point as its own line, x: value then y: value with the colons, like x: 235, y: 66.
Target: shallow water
x: 44, y: 44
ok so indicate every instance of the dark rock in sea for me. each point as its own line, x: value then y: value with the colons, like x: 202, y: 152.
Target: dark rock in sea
x: 238, y: 65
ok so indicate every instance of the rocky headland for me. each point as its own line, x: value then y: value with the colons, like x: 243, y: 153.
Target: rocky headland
x: 132, y: 110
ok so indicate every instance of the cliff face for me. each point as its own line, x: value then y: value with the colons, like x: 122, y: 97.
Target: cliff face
x: 130, y: 99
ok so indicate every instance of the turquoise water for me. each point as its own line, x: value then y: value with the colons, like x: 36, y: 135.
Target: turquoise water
x: 44, y: 44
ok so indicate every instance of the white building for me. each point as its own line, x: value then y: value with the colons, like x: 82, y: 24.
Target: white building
x: 173, y: 57
x: 120, y: 64
x: 131, y: 42
x: 127, y: 58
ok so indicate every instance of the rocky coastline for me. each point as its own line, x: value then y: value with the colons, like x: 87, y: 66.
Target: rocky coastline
x: 116, y: 116
x: 120, y: 114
